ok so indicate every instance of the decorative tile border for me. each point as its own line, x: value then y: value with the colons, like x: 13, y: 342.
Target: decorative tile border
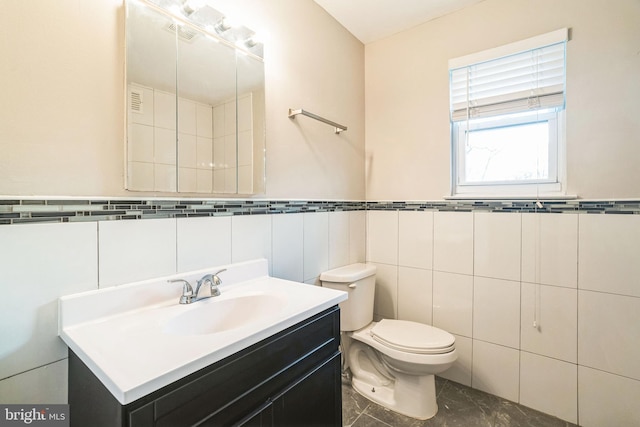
x: 547, y: 206
x: 17, y: 211
x: 75, y: 210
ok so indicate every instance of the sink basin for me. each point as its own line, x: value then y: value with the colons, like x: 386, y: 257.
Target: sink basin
x: 221, y: 315
x: 120, y: 331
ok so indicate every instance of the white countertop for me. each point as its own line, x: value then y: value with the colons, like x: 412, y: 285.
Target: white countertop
x: 120, y: 333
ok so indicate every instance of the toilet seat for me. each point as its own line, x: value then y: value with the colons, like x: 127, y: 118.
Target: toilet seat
x: 412, y: 337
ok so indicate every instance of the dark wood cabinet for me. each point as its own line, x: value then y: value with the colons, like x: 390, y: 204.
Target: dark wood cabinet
x: 289, y: 379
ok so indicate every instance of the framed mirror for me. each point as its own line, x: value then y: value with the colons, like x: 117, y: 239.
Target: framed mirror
x: 195, y: 102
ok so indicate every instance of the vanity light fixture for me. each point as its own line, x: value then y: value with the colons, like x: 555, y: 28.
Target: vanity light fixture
x: 251, y: 41
x: 192, y: 6
x: 213, y: 23
x: 222, y: 25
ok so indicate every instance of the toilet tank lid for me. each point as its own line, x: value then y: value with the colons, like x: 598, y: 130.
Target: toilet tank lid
x: 349, y: 273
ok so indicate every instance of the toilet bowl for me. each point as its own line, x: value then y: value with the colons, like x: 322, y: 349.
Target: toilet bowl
x: 392, y: 362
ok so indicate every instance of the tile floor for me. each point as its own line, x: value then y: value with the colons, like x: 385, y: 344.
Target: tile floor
x: 458, y: 406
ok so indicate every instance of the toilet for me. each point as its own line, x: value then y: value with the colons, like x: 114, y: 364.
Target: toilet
x: 392, y: 362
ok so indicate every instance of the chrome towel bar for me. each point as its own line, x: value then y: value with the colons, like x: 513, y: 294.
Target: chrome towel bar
x: 337, y: 127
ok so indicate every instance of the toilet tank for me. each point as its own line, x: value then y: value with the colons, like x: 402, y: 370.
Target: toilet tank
x: 359, y: 281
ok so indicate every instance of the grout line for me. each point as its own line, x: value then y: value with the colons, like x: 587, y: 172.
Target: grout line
x: 33, y: 369
x: 98, y: 255
x: 577, y: 319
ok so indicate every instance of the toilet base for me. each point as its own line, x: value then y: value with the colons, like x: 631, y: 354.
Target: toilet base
x: 410, y: 395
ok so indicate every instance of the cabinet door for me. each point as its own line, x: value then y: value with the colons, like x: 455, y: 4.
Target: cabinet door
x: 315, y: 400
x: 263, y: 417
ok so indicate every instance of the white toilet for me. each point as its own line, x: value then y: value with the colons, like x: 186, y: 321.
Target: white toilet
x: 392, y: 362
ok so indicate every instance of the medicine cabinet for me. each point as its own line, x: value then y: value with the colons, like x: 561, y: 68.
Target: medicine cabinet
x: 195, y: 101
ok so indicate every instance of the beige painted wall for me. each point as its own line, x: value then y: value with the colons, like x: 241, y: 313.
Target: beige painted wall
x: 407, y: 125
x: 62, y: 103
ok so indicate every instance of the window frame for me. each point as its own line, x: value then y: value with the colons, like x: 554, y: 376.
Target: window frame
x: 553, y: 184
x: 507, y: 113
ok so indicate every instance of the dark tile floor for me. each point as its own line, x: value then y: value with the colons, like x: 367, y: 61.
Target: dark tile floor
x: 458, y: 406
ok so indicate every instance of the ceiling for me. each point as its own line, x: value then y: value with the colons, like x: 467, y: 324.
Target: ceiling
x: 371, y: 20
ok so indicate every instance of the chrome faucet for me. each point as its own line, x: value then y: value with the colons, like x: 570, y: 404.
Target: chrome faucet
x: 190, y: 296
x: 214, y: 282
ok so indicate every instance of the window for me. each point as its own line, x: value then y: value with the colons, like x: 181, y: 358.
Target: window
x: 507, y: 119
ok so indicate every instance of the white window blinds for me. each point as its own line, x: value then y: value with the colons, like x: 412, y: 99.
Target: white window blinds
x: 522, y: 76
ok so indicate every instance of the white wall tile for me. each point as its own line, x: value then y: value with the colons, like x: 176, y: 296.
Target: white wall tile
x: 549, y: 385
x: 45, y: 384
x: 219, y: 183
x: 338, y: 239
x: 453, y: 242
x: 140, y: 143
x: 165, y: 178
x: 550, y: 249
x: 496, y: 370
x: 230, y: 154
x: 38, y: 264
x: 288, y: 247
x: 415, y: 244
x: 496, y: 311
x: 203, y: 242
x: 315, y: 281
x: 245, y: 110
x: 136, y: 250
x: 555, y: 311
x: 357, y: 236
x: 453, y: 302
x: 141, y: 176
x: 230, y: 118
x: 245, y: 148
x: 218, y: 153
x: 386, y: 296
x: 382, y: 237
x: 607, y: 400
x: 164, y: 141
x: 460, y: 371
x: 251, y: 238
x: 496, y: 245
x: 204, y: 159
x: 245, y: 179
x: 230, y: 177
x: 164, y: 114
x: 187, y: 151
x: 204, y: 121
x: 204, y: 181
x: 316, y: 244
x: 609, y: 333
x: 218, y: 121
x: 187, y: 116
x: 187, y: 180
x: 608, y: 247
x: 415, y: 300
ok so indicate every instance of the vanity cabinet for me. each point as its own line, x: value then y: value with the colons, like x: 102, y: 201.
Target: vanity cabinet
x: 289, y: 379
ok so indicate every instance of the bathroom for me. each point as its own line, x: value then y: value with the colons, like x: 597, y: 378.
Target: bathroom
x: 480, y: 274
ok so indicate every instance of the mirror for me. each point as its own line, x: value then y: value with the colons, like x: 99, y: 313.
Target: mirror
x: 195, y: 103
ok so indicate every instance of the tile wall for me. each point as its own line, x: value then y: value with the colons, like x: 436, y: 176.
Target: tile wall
x: 40, y: 262
x: 208, y: 158
x: 484, y: 271
x: 545, y: 307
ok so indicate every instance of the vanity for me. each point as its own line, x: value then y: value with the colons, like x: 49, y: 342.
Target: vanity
x: 265, y: 352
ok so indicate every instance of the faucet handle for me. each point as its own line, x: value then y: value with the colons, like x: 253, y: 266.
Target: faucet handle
x: 187, y: 290
x: 216, y: 280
